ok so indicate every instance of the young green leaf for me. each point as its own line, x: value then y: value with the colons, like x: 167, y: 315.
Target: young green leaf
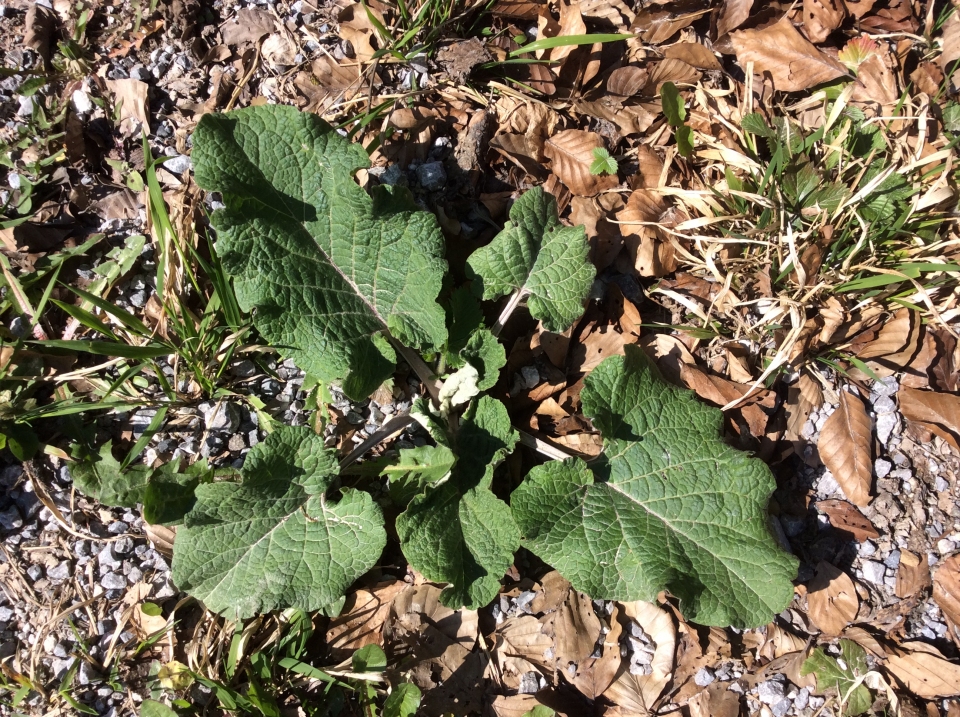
x: 459, y: 532
x: 674, y: 508
x: 684, y: 135
x: 369, y: 658
x: 415, y: 469
x: 464, y: 316
x: 672, y: 103
x: 540, y: 258
x: 328, y: 268
x: 603, y: 163
x: 276, y: 539
x: 103, y: 480
x: 486, y: 354
x: 755, y: 124
x: 832, y: 675
x: 404, y: 701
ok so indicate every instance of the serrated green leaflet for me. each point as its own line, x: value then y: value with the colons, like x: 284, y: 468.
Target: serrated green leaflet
x: 415, y: 469
x: 329, y: 269
x: 670, y: 506
x: 276, y: 539
x: 459, y: 532
x: 486, y: 354
x: 540, y: 258
x: 831, y: 675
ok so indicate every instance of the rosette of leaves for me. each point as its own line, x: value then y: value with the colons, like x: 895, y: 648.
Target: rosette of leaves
x: 332, y: 273
x: 669, y: 506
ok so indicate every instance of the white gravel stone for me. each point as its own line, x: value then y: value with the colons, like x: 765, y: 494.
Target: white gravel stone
x: 873, y: 571
x: 882, y: 467
x: 770, y: 692
x: 887, y: 423
x: 704, y: 677
x: 81, y: 102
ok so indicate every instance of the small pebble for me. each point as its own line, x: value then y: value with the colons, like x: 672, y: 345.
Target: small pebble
x: 704, y: 677
x: 873, y: 571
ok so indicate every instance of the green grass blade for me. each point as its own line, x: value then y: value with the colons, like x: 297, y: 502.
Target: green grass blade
x: 549, y: 43
x: 107, y: 348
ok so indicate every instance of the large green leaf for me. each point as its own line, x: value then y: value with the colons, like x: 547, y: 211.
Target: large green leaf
x: 329, y: 269
x: 276, y: 539
x: 459, y: 532
x: 539, y: 257
x: 669, y: 505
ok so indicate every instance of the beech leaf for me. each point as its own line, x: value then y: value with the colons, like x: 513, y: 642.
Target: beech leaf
x: 790, y: 59
x: 844, y: 447
x: 571, y: 154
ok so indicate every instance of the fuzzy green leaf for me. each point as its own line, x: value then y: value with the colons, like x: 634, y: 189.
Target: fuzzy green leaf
x: 276, y: 540
x: 103, y: 480
x: 670, y: 505
x: 459, y: 532
x: 486, y: 354
x: 328, y: 268
x: 415, y: 469
x: 832, y: 675
x: 538, y: 256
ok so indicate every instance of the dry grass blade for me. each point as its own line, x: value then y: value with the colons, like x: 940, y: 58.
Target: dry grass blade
x: 844, y: 446
x: 791, y: 60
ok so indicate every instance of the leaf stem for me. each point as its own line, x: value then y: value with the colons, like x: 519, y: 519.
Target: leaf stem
x: 545, y: 449
x: 394, y: 425
x: 419, y: 366
x: 512, y: 304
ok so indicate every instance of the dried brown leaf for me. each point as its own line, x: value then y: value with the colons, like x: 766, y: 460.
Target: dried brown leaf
x: 590, y: 351
x: 924, y: 671
x: 732, y: 15
x: 627, y: 81
x: 571, y: 154
x: 717, y: 700
x: 571, y: 23
x: 670, y: 355
x: 671, y: 70
x: 356, y: 28
x: 651, y: 255
x: 279, y: 51
x: 248, y: 27
x: 946, y: 593
x: 832, y: 600
x: 822, y: 17
x: 575, y: 629
x: 951, y: 42
x: 876, y: 83
x: 361, y: 620
x: 594, y: 675
x: 656, y: 25
x: 792, y: 61
x: 615, y: 12
x: 693, y: 53
x: 845, y: 448
x: 913, y: 574
x: 526, y: 151
x: 848, y: 518
x: 519, y: 647
x: 937, y: 412
x: 604, y: 236
x: 630, y: 119
x: 131, y: 95
x: 636, y: 694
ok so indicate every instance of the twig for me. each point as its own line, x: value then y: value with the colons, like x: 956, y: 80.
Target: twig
x: 546, y: 449
x: 394, y: 425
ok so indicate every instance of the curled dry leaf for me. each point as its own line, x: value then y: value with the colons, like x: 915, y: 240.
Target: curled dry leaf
x: 594, y: 675
x: 717, y: 700
x: 913, y: 574
x: 822, y: 17
x: 131, y: 96
x: 732, y: 15
x: 575, y: 629
x: 670, y: 355
x: 615, y: 12
x: 636, y: 694
x: 924, y: 671
x: 848, y: 518
x: 248, y: 27
x: 671, y: 70
x: 626, y: 81
x: 951, y: 43
x: 279, y: 50
x: 937, y: 412
x: 845, y: 448
x: 791, y: 60
x: 946, y: 593
x: 693, y: 53
x: 658, y: 23
x: 356, y: 28
x: 520, y: 647
x: 361, y: 620
x: 571, y: 154
x: 590, y: 351
x: 832, y: 600
x: 651, y: 254
x: 604, y: 236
